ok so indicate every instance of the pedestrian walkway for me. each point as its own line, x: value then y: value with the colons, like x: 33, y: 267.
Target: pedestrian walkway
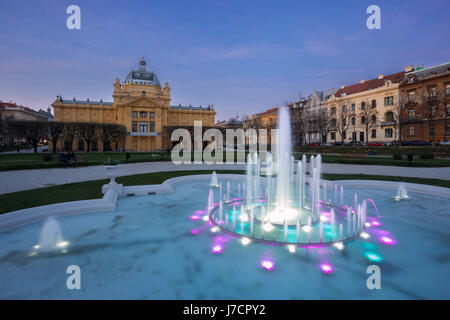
x: 18, y: 180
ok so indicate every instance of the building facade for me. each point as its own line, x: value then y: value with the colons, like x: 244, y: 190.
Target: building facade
x: 12, y: 111
x: 367, y: 111
x: 425, y: 94
x: 141, y: 105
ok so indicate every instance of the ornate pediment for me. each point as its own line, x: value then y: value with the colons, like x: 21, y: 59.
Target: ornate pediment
x: 144, y: 102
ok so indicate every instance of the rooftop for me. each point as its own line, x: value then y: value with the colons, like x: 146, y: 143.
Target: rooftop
x: 142, y: 76
x: 371, y: 84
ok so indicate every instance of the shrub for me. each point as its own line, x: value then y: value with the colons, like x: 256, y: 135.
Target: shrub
x: 109, y: 162
x: 47, y: 158
x: 397, y: 156
x: 426, y: 156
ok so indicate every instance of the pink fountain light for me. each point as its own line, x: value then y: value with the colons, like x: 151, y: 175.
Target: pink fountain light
x: 194, y: 231
x: 387, y: 240
x: 217, y: 249
x: 326, y: 268
x: 267, y: 264
x: 195, y: 217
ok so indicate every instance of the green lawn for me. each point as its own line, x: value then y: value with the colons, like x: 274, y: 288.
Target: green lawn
x: 35, y: 161
x: 92, y: 189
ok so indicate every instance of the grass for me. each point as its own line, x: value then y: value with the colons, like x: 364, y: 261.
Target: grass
x: 35, y: 161
x: 92, y: 189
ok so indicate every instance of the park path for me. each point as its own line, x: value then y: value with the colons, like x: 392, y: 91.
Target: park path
x: 18, y: 180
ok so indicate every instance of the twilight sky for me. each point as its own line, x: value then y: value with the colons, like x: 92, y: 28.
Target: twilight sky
x: 241, y: 56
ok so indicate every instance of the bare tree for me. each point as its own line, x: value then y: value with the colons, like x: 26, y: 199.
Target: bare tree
x: 89, y: 132
x: 342, y: 119
x: 109, y: 133
x: 70, y: 133
x: 54, y: 132
x: 32, y: 131
x: 368, y: 116
x: 322, y: 123
x: 432, y: 99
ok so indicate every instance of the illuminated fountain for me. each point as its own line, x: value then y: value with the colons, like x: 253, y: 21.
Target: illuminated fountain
x: 401, y: 192
x: 50, y: 238
x: 290, y: 209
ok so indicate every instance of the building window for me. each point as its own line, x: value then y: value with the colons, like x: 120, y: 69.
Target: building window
x: 361, y: 136
x: 94, y: 145
x: 333, y: 123
x: 344, y: 135
x: 390, y: 116
x: 433, y: 92
x: 354, y: 136
x: 333, y: 111
x: 152, y: 126
x: 143, y: 126
x: 411, y: 96
x: 152, y: 115
x: 134, y: 114
x: 389, y: 101
x: 374, y: 119
x: 363, y: 120
x: 353, y: 121
x: 363, y: 105
x: 411, y: 131
x: 447, y: 89
x: 143, y: 93
x: 410, y: 114
x: 333, y: 136
x: 143, y: 114
x: 134, y: 126
x: 353, y: 107
x: 374, y: 104
x: 374, y: 133
x: 344, y: 109
x: 388, y: 133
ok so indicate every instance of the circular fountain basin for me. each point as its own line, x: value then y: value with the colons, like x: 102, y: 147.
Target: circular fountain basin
x: 154, y: 247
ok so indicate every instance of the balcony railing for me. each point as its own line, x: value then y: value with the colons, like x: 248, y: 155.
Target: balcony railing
x: 144, y: 134
x: 387, y: 123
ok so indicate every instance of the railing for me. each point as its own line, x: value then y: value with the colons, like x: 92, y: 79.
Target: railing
x: 387, y: 123
x: 143, y: 134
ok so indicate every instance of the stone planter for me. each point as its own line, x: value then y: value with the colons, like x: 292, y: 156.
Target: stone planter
x: 112, y: 172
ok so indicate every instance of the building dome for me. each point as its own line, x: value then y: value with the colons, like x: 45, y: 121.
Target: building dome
x: 142, y: 76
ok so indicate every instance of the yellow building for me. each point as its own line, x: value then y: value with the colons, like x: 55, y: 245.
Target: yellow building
x: 366, y: 111
x: 141, y: 105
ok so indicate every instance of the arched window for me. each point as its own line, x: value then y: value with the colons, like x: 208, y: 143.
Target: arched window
x: 81, y: 145
x: 143, y: 93
x: 67, y: 146
x: 363, y: 120
x: 374, y: 119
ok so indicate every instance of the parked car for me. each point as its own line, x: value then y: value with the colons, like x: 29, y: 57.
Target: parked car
x: 393, y: 143
x: 445, y: 143
x: 416, y: 143
x: 356, y: 143
x: 375, y: 144
x: 314, y: 144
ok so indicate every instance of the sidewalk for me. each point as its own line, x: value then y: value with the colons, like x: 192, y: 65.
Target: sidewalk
x: 18, y: 180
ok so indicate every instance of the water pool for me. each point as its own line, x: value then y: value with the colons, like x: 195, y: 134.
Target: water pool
x: 151, y: 247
